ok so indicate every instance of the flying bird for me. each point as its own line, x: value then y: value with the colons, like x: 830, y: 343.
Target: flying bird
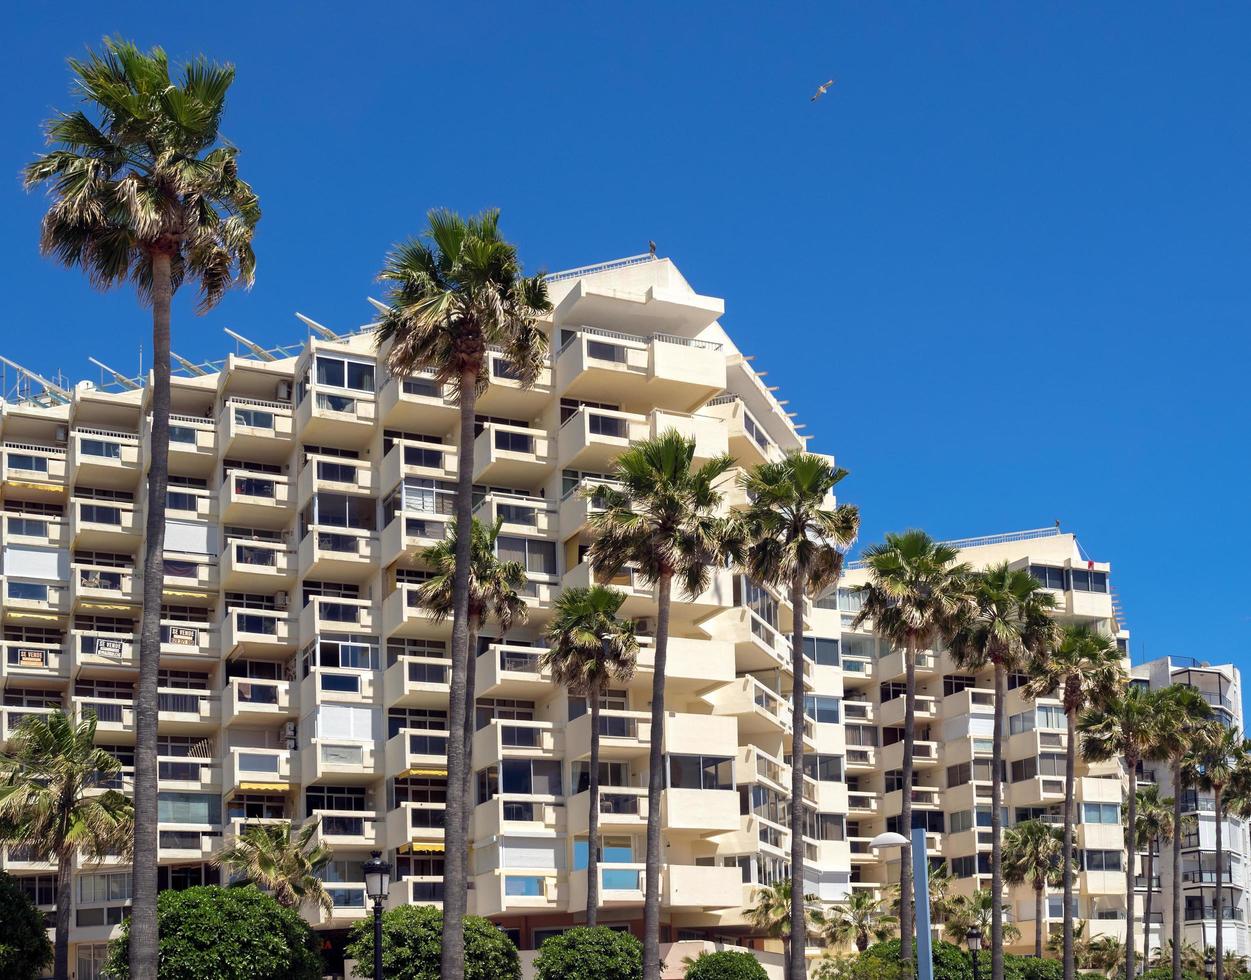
x: 821, y: 90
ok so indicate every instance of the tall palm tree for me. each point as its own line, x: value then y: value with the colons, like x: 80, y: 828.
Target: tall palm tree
x: 144, y: 190
x: 1032, y: 851
x: 771, y: 915
x: 452, y: 293
x: 660, y: 519
x: 1155, y: 826
x: 283, y: 863
x: 1085, y: 669
x: 1185, y: 711
x: 967, y: 911
x: 1190, y: 955
x: 860, y: 918
x: 495, y: 589
x: 48, y: 803
x: 1129, y: 728
x: 591, y: 649
x: 797, y: 542
x: 1107, y: 955
x: 1220, y: 753
x: 916, y: 595
x: 1007, y: 623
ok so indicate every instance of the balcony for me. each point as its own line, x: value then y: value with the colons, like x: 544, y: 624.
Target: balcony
x: 257, y: 770
x: 246, y: 701
x: 622, y: 735
x: 891, y: 712
x: 500, y: 739
x: 506, y: 397
x: 336, y: 685
x: 339, y: 762
x: 759, y: 710
x: 104, y: 526
x: 192, y: 445
x: 758, y: 645
x: 892, y: 666
x: 622, y: 809
x: 32, y: 471
x: 114, y: 717
x: 924, y: 756
x: 417, y: 682
x: 698, y: 812
x: 190, y: 579
x: 662, y: 369
x: 187, y: 712
x: 330, y: 417
x: 178, y: 842
x: 690, y: 734
x: 346, y: 828
x: 250, y: 428
x: 35, y: 600
x: 507, y: 670
x: 640, y: 594
x: 518, y: 891
x: 700, y: 887
x: 326, y: 614
x: 417, y: 404
x: 97, y: 648
x: 417, y: 752
x: 861, y: 758
x: 858, y: 712
x: 251, y: 499
x: 593, y: 438
x: 98, y: 587
x: 330, y: 474
x: 257, y: 566
x: 518, y: 514
x: 1037, y: 791
x: 749, y: 443
x: 338, y: 554
x: 103, y: 459
x: 972, y: 700
x: 412, y: 458
x: 923, y: 797
x: 520, y: 814
x: 12, y: 716
x: 691, y: 666
x: 415, y: 827
x: 511, y: 455
x: 707, y: 432
x: 265, y: 633
x: 36, y: 530
x: 404, y: 616
x: 409, y: 532
x: 40, y: 662
x: 183, y: 773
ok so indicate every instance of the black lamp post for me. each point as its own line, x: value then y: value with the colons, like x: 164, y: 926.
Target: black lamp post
x: 974, y: 940
x: 1209, y: 962
x: 377, y: 885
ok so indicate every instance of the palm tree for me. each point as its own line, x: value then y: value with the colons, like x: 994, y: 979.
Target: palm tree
x: 1188, y: 953
x: 771, y: 915
x: 453, y: 293
x: 270, y: 856
x: 1219, y: 754
x: 1154, y: 826
x: 1107, y: 954
x: 495, y: 589
x: 1081, y: 947
x: 49, y: 803
x: 660, y: 519
x: 967, y: 911
x: 1129, y: 727
x: 1186, y: 710
x: 859, y: 919
x: 916, y: 595
x: 1007, y: 623
x: 144, y: 190
x: 590, y: 649
x: 797, y: 542
x: 1085, y: 669
x: 1032, y: 851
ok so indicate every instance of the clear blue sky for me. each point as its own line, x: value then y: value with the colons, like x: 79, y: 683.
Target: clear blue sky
x: 1001, y: 270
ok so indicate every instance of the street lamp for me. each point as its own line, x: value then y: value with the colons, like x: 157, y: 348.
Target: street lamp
x: 377, y: 885
x: 974, y: 941
x: 1209, y: 965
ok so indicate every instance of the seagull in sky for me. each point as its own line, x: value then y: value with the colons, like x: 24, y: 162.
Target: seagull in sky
x: 821, y: 90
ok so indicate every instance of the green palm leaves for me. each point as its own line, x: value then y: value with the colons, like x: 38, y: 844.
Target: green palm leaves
x: 495, y: 587
x: 590, y: 648
x: 279, y: 861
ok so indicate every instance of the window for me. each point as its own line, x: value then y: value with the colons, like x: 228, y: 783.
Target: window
x: 831, y: 826
x: 1048, y: 576
x: 28, y: 591
x: 968, y: 819
x: 336, y: 472
x: 337, y: 373
x: 1101, y: 813
x: 930, y: 820
x: 514, y: 442
x: 193, y: 808
x: 824, y: 768
x: 964, y: 867
x: 101, y: 448
x: 612, y: 426
x: 600, y: 351
x: 111, y: 887
x: 979, y: 770
x: 254, y: 418
x: 1100, y: 860
x: 850, y: 601
x: 538, y: 557
x: 894, y: 780
x: 955, y: 683
x: 181, y: 500
x: 28, y: 462
x: 701, y: 772
x: 1085, y: 580
x: 822, y: 708
x: 821, y: 650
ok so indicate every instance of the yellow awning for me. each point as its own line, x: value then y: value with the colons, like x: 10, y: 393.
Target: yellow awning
x: 186, y: 595
x: 29, y: 485
x: 423, y: 847
x: 423, y: 772
x: 266, y: 787
x: 110, y: 606
x: 16, y: 614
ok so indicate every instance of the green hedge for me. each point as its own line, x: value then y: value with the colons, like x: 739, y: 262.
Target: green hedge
x: 24, y: 946
x: 412, y: 937
x: 727, y: 964
x: 584, y: 953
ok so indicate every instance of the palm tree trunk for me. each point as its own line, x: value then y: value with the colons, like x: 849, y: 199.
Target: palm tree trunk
x: 1040, y: 923
x: 471, y: 675
x: 1218, y: 901
x: 1177, y: 871
x: 996, y: 824
x: 656, y: 783
x: 1070, y: 791
x: 592, y: 817
x: 456, y: 855
x: 1131, y: 837
x: 905, y: 808
x: 797, y: 966
x: 64, y: 905
x: 1146, y: 909
x: 143, y: 936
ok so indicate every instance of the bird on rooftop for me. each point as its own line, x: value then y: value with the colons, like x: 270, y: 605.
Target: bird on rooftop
x: 651, y: 248
x: 821, y: 90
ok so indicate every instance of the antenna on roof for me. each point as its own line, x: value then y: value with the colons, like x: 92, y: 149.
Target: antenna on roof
x: 121, y: 379
x: 326, y: 332
x: 187, y: 366
x: 256, y: 349
x: 54, y: 390
x: 378, y: 305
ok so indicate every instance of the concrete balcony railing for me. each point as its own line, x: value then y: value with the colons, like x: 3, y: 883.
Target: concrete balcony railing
x: 350, y: 905
x: 95, y: 584
x: 892, y: 666
x: 113, y: 716
x: 592, y: 438
x: 45, y: 662
x: 192, y: 444
x: 332, y: 474
x: 412, y: 458
x: 418, y: 403
x: 530, y: 516
x: 507, y: 670
x: 753, y: 765
x: 500, y: 739
x: 861, y: 758
x: 264, y: 632
x: 924, y: 756
x: 519, y: 890
x: 700, y: 887
x: 187, y: 711
x: 103, y: 458
x: 252, y: 428
x: 506, y: 395
x: 759, y: 710
x: 577, y: 508
x: 417, y: 752
x: 620, y: 886
x: 891, y: 713
x: 749, y: 442
x: 622, y: 735
x: 188, y: 577
x: 417, y: 682
x: 329, y: 416
x: 972, y: 700
x: 97, y: 648
x: 346, y: 828
x: 512, y: 813
x: 257, y: 770
x: 248, y: 701
x: 326, y: 614
x: 255, y: 499
x: 928, y: 797
x: 511, y: 455
x: 341, y: 761
x: 185, y: 773
x: 709, y: 434
x: 415, y: 825
x: 32, y: 466
x: 37, y: 599
x: 690, y: 664
x: 622, y: 809
x: 36, y: 530
x: 337, y: 685
x: 338, y: 554
x: 858, y: 712
x: 1037, y: 791
x: 257, y: 566
x: 403, y: 615
x: 692, y: 734
x: 177, y: 842
x: 410, y: 532
x: 104, y: 526
x: 700, y: 812
x: 12, y: 716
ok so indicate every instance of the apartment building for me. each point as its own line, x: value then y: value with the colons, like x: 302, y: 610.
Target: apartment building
x: 952, y: 790
x: 1221, y: 687
x: 300, y: 679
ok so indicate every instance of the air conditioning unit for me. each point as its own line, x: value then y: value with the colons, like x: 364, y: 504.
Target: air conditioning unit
x: 284, y: 391
x: 62, y: 435
x: 645, y: 626
x: 280, y: 600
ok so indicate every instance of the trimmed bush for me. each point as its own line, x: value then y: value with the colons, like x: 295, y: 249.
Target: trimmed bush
x: 950, y: 961
x: 727, y: 964
x: 411, y: 938
x: 1030, y: 968
x: 226, y: 934
x: 582, y: 953
x: 1165, y: 973
x: 24, y: 946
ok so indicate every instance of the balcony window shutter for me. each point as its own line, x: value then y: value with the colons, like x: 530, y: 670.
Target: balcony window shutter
x: 190, y: 537
x: 49, y: 564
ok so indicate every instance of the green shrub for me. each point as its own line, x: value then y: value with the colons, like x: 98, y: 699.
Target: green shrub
x: 1027, y: 967
x: 226, y: 934
x: 727, y: 964
x: 1164, y: 973
x: 411, y: 939
x: 857, y: 968
x: 583, y: 953
x: 1091, y: 975
x: 24, y: 946
x: 950, y: 961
